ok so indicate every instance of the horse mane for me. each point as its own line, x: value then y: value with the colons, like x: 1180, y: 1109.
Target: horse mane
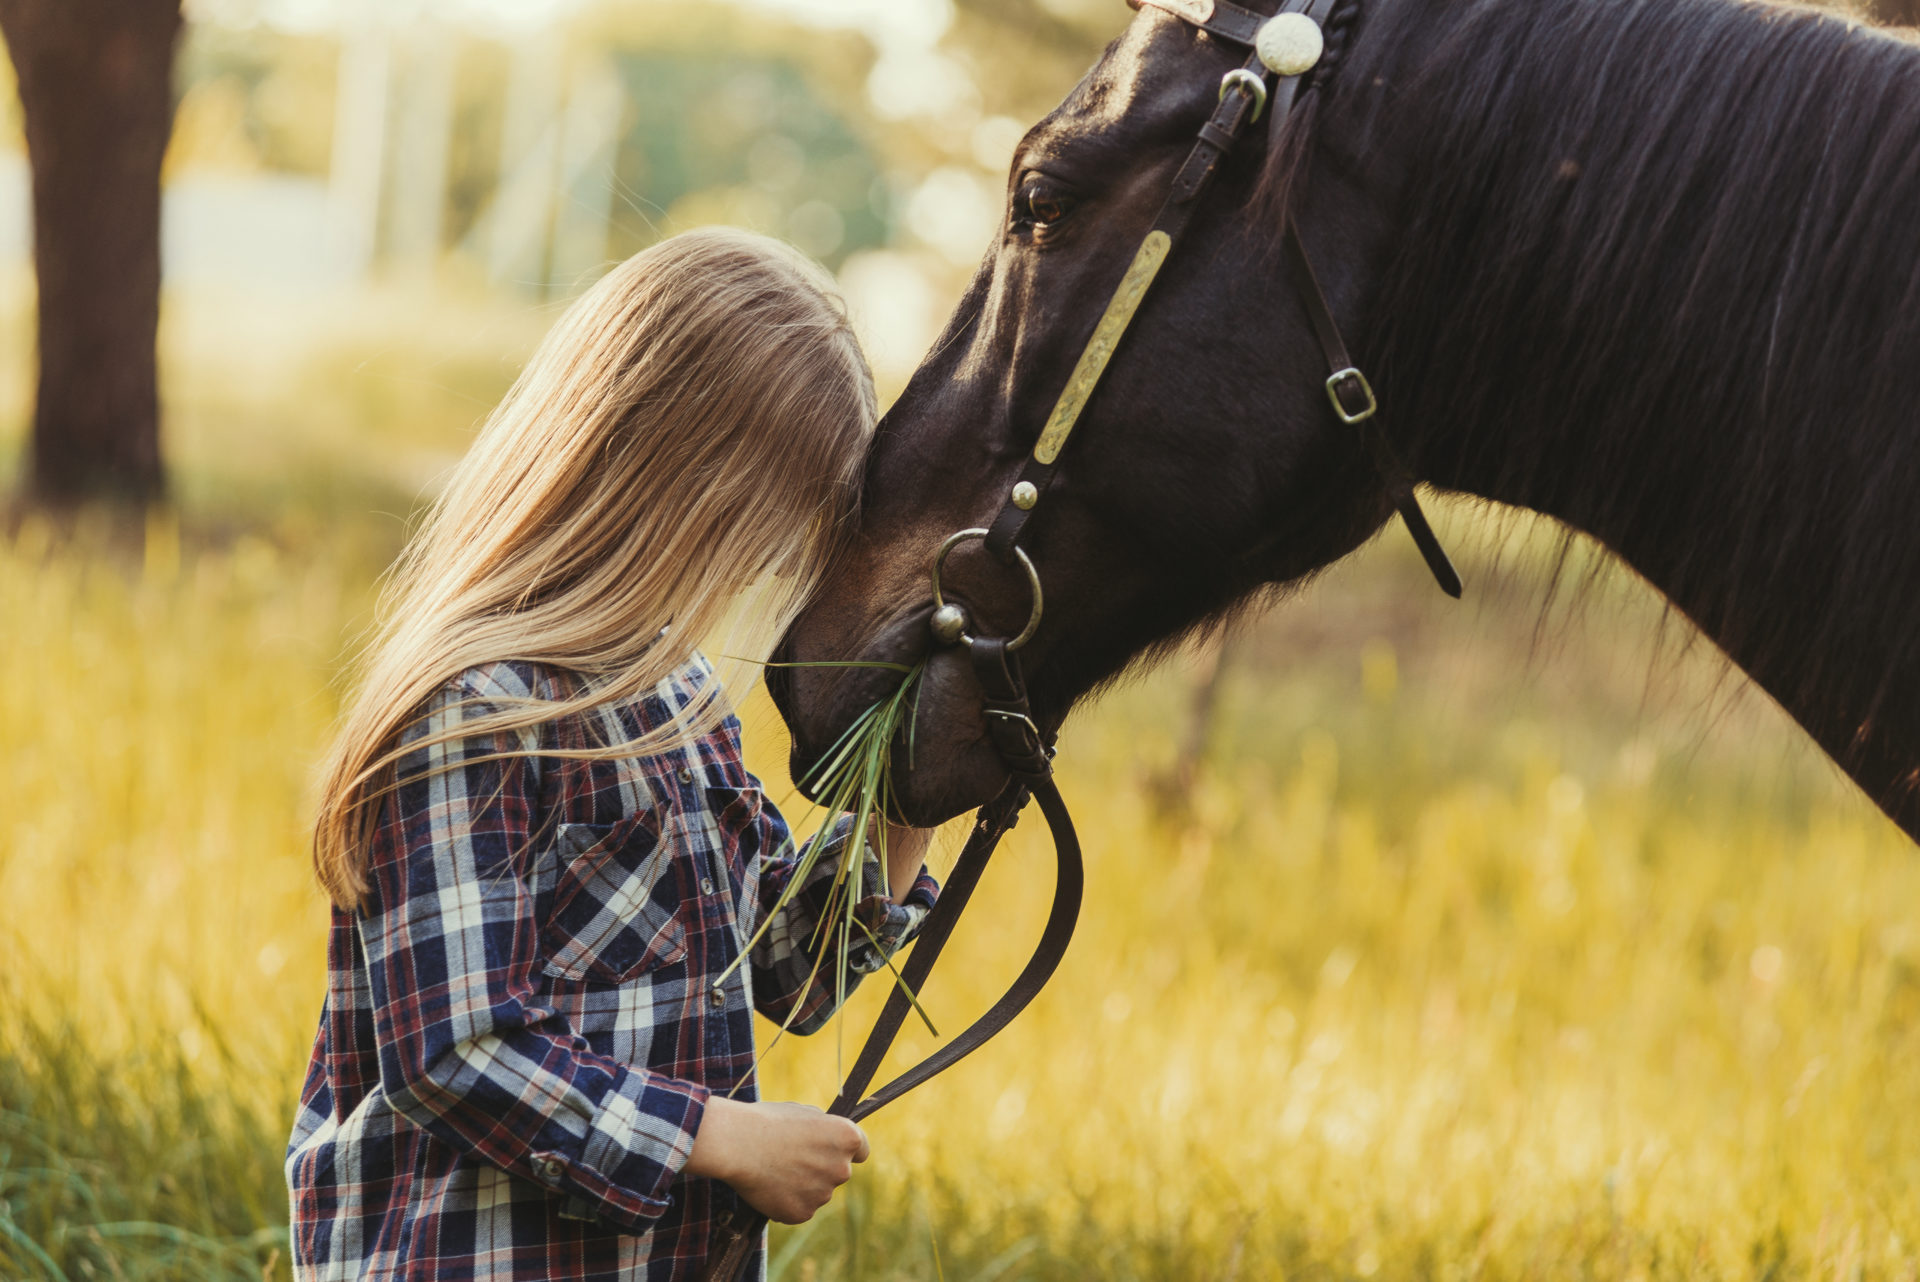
x: 1673, y: 232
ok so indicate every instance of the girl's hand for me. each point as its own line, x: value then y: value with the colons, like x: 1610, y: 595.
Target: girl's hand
x: 784, y: 1159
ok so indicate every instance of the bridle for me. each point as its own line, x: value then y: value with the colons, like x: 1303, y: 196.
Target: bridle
x: 1285, y: 45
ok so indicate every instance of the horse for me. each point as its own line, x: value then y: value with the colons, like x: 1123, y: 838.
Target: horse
x: 1647, y: 267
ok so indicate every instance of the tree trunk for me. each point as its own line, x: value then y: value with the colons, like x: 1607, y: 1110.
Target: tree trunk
x: 96, y: 90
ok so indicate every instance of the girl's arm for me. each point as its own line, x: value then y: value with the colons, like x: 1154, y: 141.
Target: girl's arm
x: 469, y: 1054
x: 785, y: 1159
x: 792, y: 984
x: 906, y: 858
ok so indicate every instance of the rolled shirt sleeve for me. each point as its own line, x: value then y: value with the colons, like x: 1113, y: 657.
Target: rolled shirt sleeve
x: 467, y: 1052
x: 791, y: 983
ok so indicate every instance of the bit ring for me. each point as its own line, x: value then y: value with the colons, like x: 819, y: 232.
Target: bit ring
x: 1026, y: 563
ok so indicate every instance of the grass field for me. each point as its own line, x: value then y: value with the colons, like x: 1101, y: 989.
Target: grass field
x: 1479, y: 946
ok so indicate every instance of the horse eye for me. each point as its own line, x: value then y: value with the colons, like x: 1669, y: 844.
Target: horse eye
x: 1041, y: 203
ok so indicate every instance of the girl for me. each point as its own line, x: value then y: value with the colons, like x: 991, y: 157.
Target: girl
x: 535, y: 1058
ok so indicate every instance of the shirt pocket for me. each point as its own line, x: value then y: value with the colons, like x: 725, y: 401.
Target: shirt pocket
x: 736, y: 818
x: 616, y: 903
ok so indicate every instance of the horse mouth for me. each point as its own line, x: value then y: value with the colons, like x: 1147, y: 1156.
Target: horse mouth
x: 942, y: 762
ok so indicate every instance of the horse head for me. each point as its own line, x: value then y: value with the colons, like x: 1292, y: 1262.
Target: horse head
x: 1208, y: 465
x: 1634, y: 264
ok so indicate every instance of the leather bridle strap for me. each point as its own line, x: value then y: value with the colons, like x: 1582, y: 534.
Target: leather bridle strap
x: 1054, y: 939
x: 1354, y: 402
x: 1217, y: 138
x: 1010, y: 725
x: 1216, y: 17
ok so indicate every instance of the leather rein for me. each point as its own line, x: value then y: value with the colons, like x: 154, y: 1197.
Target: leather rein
x: 1285, y: 45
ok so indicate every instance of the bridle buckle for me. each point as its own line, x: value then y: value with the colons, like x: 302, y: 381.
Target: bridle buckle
x: 1249, y: 83
x: 1348, y: 378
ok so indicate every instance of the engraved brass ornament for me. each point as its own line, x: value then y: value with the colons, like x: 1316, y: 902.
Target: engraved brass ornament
x: 1290, y: 44
x: 1106, y: 337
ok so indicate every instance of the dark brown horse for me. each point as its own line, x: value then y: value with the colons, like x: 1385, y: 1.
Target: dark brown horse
x: 1651, y: 267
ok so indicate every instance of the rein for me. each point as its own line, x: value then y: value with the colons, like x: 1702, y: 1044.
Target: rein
x: 737, y: 1233
x: 1287, y: 45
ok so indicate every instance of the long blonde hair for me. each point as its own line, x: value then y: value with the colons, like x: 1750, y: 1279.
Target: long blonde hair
x: 695, y: 424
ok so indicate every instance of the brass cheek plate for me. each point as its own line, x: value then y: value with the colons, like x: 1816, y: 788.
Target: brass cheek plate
x: 1106, y: 336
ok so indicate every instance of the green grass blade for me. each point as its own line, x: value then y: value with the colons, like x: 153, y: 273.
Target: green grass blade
x: 32, y: 1248
x: 901, y: 980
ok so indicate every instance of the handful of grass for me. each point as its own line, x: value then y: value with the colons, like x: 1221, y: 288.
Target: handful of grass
x: 854, y: 779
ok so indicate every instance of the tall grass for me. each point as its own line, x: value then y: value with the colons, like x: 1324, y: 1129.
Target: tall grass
x: 1439, y: 970
x: 157, y: 943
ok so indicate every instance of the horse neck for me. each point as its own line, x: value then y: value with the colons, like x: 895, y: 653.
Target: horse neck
x: 1663, y: 286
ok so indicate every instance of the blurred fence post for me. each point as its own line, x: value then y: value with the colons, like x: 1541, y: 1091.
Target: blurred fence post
x: 421, y: 144
x: 355, y: 176
x: 589, y: 144
x: 519, y: 222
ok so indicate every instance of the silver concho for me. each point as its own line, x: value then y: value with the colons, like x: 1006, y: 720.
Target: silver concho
x: 1289, y: 44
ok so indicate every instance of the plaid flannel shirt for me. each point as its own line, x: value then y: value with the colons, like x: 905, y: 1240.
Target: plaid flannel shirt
x: 524, y: 1021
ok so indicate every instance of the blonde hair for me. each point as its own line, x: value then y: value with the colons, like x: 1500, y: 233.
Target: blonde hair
x: 694, y: 425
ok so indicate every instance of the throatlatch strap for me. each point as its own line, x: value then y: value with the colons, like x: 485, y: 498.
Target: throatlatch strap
x: 1398, y: 478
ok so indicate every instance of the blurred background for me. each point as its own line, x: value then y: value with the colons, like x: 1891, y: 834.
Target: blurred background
x: 1515, y: 938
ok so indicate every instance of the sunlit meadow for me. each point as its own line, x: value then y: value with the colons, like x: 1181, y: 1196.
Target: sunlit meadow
x: 1472, y: 941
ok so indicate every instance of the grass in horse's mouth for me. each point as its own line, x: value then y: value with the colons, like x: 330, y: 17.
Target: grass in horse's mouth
x: 854, y: 779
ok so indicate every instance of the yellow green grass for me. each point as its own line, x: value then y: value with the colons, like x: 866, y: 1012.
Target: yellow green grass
x: 1475, y: 948
x: 1449, y: 964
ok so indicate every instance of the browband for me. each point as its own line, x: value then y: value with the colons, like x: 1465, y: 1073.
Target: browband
x: 1220, y: 17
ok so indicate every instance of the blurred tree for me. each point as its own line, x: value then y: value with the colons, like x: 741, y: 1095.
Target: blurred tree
x: 95, y: 84
x: 280, y: 82
x: 1025, y: 56
x: 742, y: 118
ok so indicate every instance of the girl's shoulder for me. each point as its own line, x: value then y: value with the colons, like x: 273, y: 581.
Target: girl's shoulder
x: 621, y: 715
x: 507, y: 681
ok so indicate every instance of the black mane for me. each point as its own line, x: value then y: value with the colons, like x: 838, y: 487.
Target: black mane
x: 1650, y: 267
x: 1660, y: 278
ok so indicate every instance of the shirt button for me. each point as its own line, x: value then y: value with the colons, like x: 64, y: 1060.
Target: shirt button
x: 549, y: 1169
x: 706, y: 885
x: 686, y: 775
x: 719, y: 997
